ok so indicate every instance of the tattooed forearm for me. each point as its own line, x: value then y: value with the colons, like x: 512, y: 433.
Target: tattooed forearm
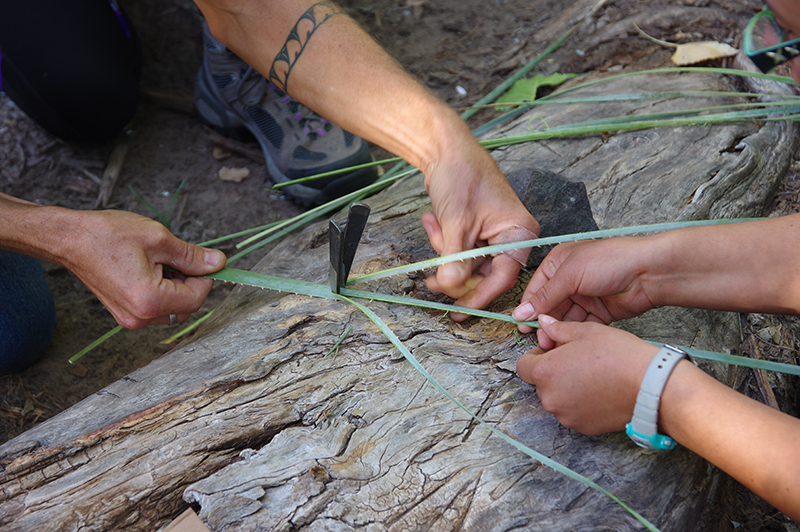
x: 298, y: 38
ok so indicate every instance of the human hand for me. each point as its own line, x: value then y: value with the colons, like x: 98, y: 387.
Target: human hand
x: 589, y: 376
x: 120, y: 256
x: 599, y: 281
x: 473, y: 205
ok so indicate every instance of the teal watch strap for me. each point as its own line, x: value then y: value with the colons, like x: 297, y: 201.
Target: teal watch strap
x: 643, y: 428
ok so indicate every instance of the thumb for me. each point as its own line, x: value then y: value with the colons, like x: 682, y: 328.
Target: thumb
x: 193, y: 260
x: 450, y: 278
x: 454, y: 275
x: 560, y: 332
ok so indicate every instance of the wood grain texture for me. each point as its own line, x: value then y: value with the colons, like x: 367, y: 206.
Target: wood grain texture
x: 258, y: 426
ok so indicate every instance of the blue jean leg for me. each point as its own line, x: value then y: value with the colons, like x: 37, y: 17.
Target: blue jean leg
x: 27, y: 313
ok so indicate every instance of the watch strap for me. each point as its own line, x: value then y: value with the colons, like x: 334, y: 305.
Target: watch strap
x: 643, y: 428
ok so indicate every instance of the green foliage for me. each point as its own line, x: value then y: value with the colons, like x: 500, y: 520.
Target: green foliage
x: 525, y: 90
x: 786, y: 108
x: 335, y: 349
x: 164, y: 219
x: 549, y: 462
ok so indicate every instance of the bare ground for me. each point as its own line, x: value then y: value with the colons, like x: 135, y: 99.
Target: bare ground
x: 446, y: 44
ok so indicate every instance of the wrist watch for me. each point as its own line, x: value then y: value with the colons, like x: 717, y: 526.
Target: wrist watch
x: 643, y: 428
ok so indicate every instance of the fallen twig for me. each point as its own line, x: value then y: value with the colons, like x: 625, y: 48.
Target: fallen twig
x: 236, y: 147
x: 111, y: 174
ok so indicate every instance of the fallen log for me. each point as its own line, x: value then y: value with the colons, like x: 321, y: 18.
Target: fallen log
x: 261, y: 427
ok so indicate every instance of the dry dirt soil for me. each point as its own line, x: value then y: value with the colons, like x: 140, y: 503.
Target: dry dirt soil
x: 471, y: 44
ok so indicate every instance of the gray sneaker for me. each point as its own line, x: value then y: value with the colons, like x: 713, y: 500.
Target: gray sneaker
x: 233, y: 98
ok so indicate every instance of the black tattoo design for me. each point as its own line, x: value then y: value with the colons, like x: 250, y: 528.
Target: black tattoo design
x: 297, y: 40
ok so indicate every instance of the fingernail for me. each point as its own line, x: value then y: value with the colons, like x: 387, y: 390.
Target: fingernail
x: 547, y: 320
x: 213, y: 257
x: 524, y: 312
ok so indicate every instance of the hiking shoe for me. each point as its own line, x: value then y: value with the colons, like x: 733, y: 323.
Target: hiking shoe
x: 234, y: 99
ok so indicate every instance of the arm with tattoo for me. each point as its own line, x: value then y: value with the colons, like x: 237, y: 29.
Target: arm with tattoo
x: 343, y: 74
x: 295, y: 44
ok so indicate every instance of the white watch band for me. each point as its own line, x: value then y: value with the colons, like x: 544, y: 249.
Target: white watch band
x: 643, y: 428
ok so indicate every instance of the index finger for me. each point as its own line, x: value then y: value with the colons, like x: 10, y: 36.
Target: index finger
x: 551, y: 285
x: 544, y: 272
x: 183, y: 296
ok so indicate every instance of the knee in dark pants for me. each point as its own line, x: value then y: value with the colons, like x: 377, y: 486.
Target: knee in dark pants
x: 27, y: 313
x: 73, y: 67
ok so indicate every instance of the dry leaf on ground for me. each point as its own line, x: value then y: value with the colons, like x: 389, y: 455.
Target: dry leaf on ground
x: 220, y: 153
x: 235, y: 175
x: 693, y: 52
x: 696, y: 52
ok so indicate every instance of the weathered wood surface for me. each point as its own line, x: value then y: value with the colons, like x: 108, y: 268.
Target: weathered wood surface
x: 263, y: 429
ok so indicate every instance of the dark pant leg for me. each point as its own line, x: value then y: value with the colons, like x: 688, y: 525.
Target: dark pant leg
x: 27, y: 313
x: 73, y: 66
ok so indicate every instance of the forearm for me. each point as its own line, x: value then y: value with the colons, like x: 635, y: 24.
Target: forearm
x: 753, y: 443
x: 751, y: 266
x: 340, y: 72
x: 590, y: 382
x: 35, y: 230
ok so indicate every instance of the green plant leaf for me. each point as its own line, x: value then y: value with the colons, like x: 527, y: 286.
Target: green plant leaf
x: 524, y: 90
x: 94, y: 344
x: 500, y: 248
x: 564, y: 470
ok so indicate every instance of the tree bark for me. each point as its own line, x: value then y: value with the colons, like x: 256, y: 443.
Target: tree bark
x: 259, y: 424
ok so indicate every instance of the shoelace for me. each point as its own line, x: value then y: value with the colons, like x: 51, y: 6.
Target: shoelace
x: 312, y: 123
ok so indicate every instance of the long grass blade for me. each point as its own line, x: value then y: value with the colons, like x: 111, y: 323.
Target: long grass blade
x: 433, y: 305
x: 508, y: 439
x: 595, y: 127
x: 557, y: 94
x: 736, y: 360
x: 643, y: 96
x: 504, y: 86
x: 232, y: 236
x: 483, y: 251
x: 94, y: 344
x: 168, y: 218
x: 346, y: 170
x: 335, y: 348
x: 294, y: 286
x: 147, y: 204
x: 328, y: 207
x: 186, y: 330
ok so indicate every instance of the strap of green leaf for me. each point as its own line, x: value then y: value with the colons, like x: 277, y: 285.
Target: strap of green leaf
x: 508, y: 439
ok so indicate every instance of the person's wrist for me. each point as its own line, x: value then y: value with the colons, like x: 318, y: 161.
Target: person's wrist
x: 70, y: 237
x: 680, y: 394
x: 450, y: 142
x: 656, y: 275
x: 38, y: 231
x: 644, y: 425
